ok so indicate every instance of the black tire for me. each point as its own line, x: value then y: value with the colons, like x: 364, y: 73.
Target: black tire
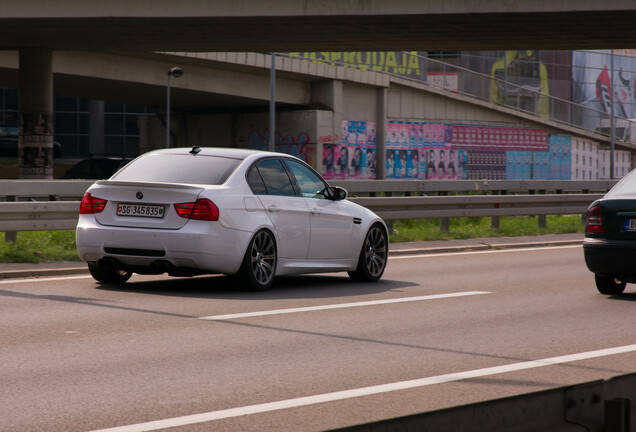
x: 373, y: 256
x: 606, y: 284
x: 258, y: 268
x: 109, y: 275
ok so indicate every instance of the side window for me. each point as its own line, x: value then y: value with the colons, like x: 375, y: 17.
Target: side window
x: 255, y: 181
x: 310, y: 184
x: 275, y: 177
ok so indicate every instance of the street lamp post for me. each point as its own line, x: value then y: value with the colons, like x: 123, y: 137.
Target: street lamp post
x: 175, y: 72
x: 271, y: 145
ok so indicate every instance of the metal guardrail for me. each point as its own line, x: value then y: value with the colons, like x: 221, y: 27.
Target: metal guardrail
x: 34, y: 205
x: 38, y: 216
x: 396, y: 208
x: 438, y: 187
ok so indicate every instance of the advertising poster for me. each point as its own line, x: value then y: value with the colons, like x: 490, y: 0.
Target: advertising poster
x: 328, y: 161
x: 341, y: 168
x: 369, y: 156
x: 390, y: 163
x: 462, y: 164
x: 401, y: 163
x: 431, y: 164
x: 592, y: 79
x: 35, y: 144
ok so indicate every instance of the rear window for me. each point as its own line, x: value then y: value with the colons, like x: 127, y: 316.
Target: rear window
x: 174, y: 168
x: 624, y: 188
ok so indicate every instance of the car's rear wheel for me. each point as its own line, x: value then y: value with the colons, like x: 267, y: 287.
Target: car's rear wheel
x: 109, y: 275
x: 373, y: 256
x: 259, y: 263
x: 609, y: 284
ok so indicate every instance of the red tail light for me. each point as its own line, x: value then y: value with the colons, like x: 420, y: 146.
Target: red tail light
x: 91, y: 204
x: 594, y: 221
x: 202, y: 209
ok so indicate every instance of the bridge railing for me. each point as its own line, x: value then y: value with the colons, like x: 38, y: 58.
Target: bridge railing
x: 37, y: 205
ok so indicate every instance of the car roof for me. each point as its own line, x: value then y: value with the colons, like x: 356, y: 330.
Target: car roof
x: 218, y: 151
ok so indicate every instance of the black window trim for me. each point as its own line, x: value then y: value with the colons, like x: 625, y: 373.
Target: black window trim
x: 291, y: 178
x: 290, y: 175
x: 299, y: 191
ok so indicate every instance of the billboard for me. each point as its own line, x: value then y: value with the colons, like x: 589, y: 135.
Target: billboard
x: 594, y: 74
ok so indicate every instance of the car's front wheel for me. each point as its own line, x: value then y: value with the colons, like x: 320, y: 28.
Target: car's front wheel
x: 373, y: 256
x: 109, y: 275
x: 609, y: 284
x: 259, y: 263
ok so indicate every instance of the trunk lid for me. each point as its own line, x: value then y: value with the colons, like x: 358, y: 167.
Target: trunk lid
x: 143, y: 204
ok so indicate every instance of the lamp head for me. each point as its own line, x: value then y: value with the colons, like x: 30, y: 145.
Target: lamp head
x: 176, y: 72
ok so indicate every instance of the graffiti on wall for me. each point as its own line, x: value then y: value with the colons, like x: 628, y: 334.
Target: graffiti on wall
x: 297, y: 145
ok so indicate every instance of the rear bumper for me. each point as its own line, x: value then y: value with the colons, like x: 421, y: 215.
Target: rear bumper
x: 197, y: 246
x: 611, y: 257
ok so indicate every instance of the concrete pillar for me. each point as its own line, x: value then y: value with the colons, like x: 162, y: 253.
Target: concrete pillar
x: 35, y: 148
x: 329, y: 95
x: 96, y: 128
x: 380, y: 127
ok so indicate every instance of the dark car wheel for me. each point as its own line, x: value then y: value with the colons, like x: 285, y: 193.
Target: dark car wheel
x: 609, y: 284
x: 373, y: 256
x: 109, y: 275
x: 259, y: 264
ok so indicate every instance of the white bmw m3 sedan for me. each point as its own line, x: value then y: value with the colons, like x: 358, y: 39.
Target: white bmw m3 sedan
x: 252, y: 215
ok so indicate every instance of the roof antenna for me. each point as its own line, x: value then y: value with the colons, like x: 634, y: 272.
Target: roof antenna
x: 195, y: 150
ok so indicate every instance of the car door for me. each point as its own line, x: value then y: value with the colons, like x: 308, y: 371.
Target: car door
x: 331, y: 221
x: 287, y: 211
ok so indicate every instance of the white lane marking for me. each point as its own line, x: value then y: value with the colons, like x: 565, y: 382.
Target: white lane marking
x: 48, y: 279
x: 489, y: 251
x: 364, y: 391
x: 340, y: 306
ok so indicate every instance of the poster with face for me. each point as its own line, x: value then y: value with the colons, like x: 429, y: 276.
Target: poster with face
x: 328, y: 161
x: 342, y: 162
x: 355, y: 162
x: 369, y: 163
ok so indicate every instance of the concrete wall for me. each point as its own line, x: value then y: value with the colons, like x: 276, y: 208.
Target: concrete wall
x: 297, y: 132
x: 417, y: 104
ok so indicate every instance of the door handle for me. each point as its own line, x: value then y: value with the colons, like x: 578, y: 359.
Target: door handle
x: 315, y: 211
x: 273, y: 208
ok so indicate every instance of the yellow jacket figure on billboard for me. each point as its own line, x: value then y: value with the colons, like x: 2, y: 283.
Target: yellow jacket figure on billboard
x: 521, y: 76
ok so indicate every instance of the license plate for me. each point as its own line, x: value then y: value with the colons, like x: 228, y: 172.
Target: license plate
x: 630, y: 224
x: 140, y: 210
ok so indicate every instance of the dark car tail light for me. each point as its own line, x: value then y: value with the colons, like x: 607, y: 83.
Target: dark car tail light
x: 202, y: 209
x: 594, y: 221
x: 91, y: 204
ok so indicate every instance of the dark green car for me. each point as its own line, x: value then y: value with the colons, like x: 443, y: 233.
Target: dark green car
x: 610, y: 237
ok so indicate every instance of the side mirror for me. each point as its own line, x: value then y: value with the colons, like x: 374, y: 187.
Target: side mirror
x: 335, y: 193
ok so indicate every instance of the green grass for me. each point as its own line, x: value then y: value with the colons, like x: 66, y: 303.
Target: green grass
x: 465, y: 228
x: 42, y: 246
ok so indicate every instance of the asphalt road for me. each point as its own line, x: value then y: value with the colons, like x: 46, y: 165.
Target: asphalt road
x: 313, y: 353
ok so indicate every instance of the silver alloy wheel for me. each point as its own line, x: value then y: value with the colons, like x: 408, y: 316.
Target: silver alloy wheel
x: 375, y: 251
x: 263, y: 257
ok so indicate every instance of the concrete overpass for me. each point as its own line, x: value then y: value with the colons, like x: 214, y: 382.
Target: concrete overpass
x: 309, y: 25
x: 40, y: 28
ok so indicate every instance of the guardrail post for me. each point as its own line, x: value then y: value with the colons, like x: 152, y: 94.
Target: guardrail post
x: 10, y: 236
x: 495, y: 221
x: 389, y: 225
x: 444, y: 223
x: 543, y: 221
